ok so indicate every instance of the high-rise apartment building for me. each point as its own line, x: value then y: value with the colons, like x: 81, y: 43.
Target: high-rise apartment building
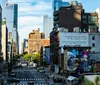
x: 4, y: 40
x: 47, y: 25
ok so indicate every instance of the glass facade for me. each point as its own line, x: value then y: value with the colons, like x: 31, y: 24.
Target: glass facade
x: 11, y: 14
x: 58, y: 3
x: 3, y: 3
x: 92, y: 19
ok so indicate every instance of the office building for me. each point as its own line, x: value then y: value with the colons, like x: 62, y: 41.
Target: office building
x: 17, y: 43
x: 47, y: 25
x: 22, y: 47
x: 10, y: 37
x: 3, y: 4
x: 14, y: 42
x: 10, y: 42
x: 25, y: 43
x: 59, y: 3
x: 4, y: 40
x: 11, y: 15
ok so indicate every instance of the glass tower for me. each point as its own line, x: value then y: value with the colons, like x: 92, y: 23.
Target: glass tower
x: 58, y: 3
x: 3, y: 4
x: 11, y: 15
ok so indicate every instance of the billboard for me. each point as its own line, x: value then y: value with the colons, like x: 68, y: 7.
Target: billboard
x: 74, y: 39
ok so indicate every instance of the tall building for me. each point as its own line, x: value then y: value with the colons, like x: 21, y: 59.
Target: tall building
x: 3, y: 4
x: 25, y: 45
x: 17, y: 42
x: 74, y: 19
x: 4, y: 40
x: 10, y: 37
x: 58, y: 3
x: 47, y: 25
x: 22, y: 47
x: 11, y: 15
x: 10, y: 42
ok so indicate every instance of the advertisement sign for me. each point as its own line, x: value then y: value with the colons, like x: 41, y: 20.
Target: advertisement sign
x: 74, y: 39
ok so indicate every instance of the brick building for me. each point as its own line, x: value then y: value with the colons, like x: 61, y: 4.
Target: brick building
x: 74, y: 19
x: 36, y: 40
x: 70, y: 19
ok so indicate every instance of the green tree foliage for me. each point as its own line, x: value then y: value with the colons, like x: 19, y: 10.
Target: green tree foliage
x: 27, y: 57
x: 97, y: 80
x: 36, y: 56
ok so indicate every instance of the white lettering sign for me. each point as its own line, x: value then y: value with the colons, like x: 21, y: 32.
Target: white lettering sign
x: 73, y: 39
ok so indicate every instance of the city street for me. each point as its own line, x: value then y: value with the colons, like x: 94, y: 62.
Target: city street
x: 26, y: 75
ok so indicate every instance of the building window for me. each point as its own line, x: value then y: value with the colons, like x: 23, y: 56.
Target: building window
x: 92, y: 27
x: 84, y: 21
x: 84, y: 17
x: 92, y: 19
x: 93, y: 38
x: 93, y: 45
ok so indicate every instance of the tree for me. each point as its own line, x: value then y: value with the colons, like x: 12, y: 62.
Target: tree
x: 36, y: 56
x: 97, y: 80
x: 27, y: 57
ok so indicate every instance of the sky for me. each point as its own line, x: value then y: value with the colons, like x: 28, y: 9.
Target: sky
x: 30, y: 13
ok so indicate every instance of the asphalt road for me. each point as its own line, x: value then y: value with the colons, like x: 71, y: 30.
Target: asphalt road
x: 25, y: 75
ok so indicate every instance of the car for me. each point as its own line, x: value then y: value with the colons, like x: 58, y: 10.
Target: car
x: 31, y: 83
x: 41, y: 70
x: 12, y: 74
x: 13, y: 80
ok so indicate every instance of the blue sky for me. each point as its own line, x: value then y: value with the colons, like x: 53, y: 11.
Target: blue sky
x: 31, y: 13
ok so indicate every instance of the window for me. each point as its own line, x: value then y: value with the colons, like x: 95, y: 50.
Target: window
x: 92, y: 19
x: 92, y: 27
x: 93, y: 45
x: 84, y: 21
x: 84, y: 17
x: 93, y: 38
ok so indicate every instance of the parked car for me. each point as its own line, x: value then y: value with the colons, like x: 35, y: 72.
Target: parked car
x: 31, y: 83
x: 13, y: 80
x: 12, y: 74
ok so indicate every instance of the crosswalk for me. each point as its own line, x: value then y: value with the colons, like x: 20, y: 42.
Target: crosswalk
x: 31, y: 79
x: 27, y: 84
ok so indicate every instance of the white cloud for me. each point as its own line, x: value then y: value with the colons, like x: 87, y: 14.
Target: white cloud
x: 31, y: 15
x: 29, y: 21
